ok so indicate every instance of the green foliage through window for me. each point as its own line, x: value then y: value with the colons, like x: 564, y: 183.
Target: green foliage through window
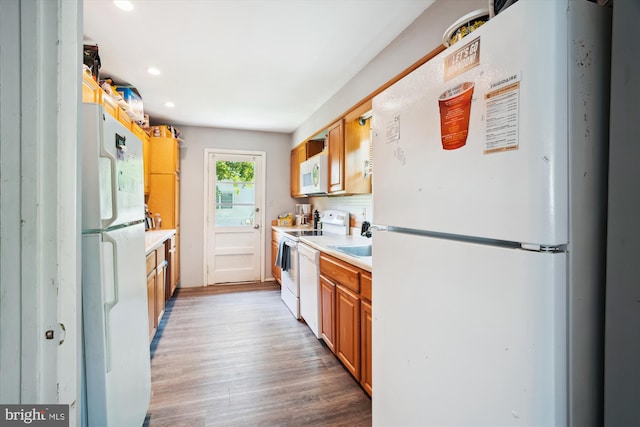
x: 241, y: 174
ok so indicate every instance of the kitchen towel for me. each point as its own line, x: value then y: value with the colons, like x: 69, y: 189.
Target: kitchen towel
x: 283, y: 258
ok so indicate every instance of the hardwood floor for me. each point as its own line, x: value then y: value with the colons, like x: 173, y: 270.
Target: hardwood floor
x: 235, y: 356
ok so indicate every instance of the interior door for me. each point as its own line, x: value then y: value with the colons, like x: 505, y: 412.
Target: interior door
x: 234, y: 217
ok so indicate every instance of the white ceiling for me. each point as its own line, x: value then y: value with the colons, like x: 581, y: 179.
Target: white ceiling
x: 242, y: 64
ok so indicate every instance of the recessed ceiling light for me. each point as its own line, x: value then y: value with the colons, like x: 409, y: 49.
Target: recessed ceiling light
x: 153, y: 71
x: 124, y: 5
x: 169, y: 104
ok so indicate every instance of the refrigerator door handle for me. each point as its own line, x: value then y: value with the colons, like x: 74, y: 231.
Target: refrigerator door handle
x: 108, y: 305
x: 114, y: 185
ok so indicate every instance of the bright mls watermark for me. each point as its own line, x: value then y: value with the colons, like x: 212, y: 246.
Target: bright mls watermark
x: 34, y: 415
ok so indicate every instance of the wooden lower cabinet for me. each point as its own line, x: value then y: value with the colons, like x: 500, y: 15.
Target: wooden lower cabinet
x: 275, y: 270
x: 160, y: 285
x: 348, y: 329
x: 172, y: 268
x: 161, y: 281
x: 366, y: 321
x: 327, y: 307
x: 345, y: 293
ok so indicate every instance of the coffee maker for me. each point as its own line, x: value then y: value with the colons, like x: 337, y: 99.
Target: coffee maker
x: 303, y: 213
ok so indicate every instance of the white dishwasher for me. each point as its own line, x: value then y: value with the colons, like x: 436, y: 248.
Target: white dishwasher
x: 309, y: 268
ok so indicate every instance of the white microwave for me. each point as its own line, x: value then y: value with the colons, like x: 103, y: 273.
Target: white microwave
x: 314, y: 175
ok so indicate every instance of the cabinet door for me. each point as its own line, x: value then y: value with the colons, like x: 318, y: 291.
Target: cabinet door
x: 358, y: 155
x: 176, y: 201
x: 327, y: 304
x: 160, y: 284
x: 275, y: 270
x: 170, y: 285
x: 177, y: 255
x: 335, y: 142
x: 151, y: 300
x: 298, y: 155
x: 163, y: 198
x: 365, y: 346
x: 165, y: 155
x: 146, y: 158
x: 347, y: 338
x: 159, y: 295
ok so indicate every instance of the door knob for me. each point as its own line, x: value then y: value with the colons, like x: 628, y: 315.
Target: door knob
x: 256, y: 226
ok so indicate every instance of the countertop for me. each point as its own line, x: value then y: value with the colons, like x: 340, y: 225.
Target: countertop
x: 322, y: 243
x: 154, y: 238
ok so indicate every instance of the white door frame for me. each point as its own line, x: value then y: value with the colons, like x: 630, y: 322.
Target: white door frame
x: 262, y: 188
x: 40, y: 207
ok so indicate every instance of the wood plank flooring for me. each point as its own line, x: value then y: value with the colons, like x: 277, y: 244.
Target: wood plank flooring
x: 235, y: 356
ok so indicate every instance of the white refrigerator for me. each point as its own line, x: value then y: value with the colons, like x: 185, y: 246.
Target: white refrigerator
x: 117, y: 373
x: 489, y: 197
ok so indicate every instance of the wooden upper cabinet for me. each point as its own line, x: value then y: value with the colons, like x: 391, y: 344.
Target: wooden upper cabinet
x: 146, y: 159
x: 335, y: 144
x: 358, y: 150
x: 165, y: 151
x: 298, y: 155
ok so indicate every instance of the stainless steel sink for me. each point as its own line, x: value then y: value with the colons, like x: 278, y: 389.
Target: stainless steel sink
x: 353, y: 250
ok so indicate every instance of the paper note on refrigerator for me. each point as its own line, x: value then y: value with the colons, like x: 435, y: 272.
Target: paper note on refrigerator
x: 502, y: 115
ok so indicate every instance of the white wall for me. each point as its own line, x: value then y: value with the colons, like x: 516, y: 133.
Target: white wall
x: 417, y: 40
x: 277, y: 199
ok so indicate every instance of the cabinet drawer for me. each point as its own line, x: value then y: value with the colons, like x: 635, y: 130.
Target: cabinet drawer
x: 343, y: 273
x: 274, y: 236
x: 151, y: 262
x: 160, y: 255
x: 365, y: 285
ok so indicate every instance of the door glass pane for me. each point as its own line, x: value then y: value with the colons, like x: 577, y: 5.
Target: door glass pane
x: 235, y: 193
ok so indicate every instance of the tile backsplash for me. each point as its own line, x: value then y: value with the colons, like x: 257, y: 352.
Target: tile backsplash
x: 360, y: 207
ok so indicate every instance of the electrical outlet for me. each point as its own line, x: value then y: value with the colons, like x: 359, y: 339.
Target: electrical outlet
x: 363, y: 215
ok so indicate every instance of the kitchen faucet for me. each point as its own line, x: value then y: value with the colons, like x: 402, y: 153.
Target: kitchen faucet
x: 364, y: 230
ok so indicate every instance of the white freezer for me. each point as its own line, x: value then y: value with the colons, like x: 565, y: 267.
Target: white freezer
x: 112, y: 177
x: 115, y: 323
x: 470, y: 334
x: 518, y: 194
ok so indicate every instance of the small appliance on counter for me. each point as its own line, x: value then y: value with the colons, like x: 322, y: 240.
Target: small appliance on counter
x: 303, y: 213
